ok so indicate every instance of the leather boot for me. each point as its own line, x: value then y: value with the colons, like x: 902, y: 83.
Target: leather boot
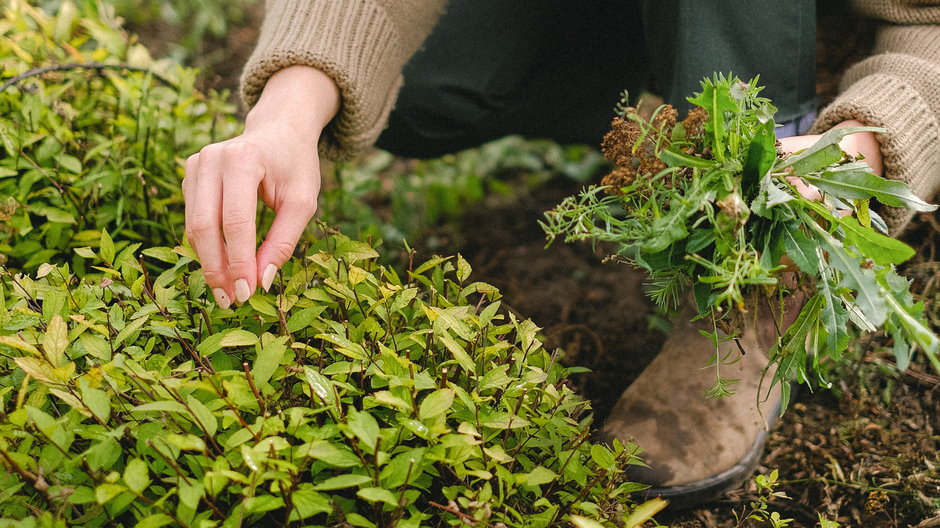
x: 696, y: 447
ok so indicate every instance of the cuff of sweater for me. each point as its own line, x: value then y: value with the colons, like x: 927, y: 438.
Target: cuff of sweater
x: 354, y: 43
x: 909, y: 143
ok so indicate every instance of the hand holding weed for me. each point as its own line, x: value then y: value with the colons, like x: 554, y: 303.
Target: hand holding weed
x: 860, y: 144
x: 276, y: 157
x: 713, y: 204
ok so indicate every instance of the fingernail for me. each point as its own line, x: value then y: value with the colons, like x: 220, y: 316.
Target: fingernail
x: 267, y: 278
x: 242, y: 293
x: 221, y: 298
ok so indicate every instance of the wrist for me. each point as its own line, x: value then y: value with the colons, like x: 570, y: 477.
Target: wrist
x: 303, y: 98
x: 863, y: 144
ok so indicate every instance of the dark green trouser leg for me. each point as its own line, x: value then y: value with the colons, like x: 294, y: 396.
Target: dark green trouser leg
x: 541, y: 68
x: 555, y: 68
x: 691, y: 39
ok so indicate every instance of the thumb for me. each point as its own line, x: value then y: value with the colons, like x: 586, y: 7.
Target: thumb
x: 290, y: 220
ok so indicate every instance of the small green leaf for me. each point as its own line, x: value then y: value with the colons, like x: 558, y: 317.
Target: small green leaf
x: 826, y: 142
x: 463, y: 359
x: 190, y: 494
x: 342, y: 482
x: 206, y: 420
x: 137, y: 475
x: 378, y: 495
x: 584, y: 522
x: 236, y: 337
x: 18, y: 343
x: 504, y: 421
x: 164, y: 254
x: 602, y: 456
x: 538, y: 476
x: 129, y: 330
x: 38, y: 369
x: 98, y: 402
x: 364, y: 427
x: 463, y: 268
x: 106, y: 247
x: 189, y: 442
x: 105, y: 492
x: 800, y: 248
x: 156, y: 520
x: 164, y: 406
x: 333, y: 454
x: 675, y: 158
x: 269, y: 359
x: 868, y: 294
x: 85, y: 252
x: 308, y: 502
x: 436, y: 403
x: 103, y: 454
x: 55, y: 341
x: 263, y: 305
x: 345, y: 346
x: 645, y: 512
x: 357, y: 275
x: 794, y: 339
x: 320, y: 385
x: 263, y: 503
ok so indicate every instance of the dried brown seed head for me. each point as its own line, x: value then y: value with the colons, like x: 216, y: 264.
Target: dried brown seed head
x: 665, y: 118
x: 694, y: 122
x: 619, y: 178
x: 618, y: 143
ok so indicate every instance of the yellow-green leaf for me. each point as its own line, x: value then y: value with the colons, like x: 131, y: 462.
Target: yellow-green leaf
x: 38, y: 369
x: 137, y: 475
x: 18, y: 343
x: 107, y: 247
x: 436, y: 403
x: 645, y: 512
x: 56, y: 340
x: 98, y: 402
x: 584, y: 522
x: 207, y: 420
x: 235, y: 337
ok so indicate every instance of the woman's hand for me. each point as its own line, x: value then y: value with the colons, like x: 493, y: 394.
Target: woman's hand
x: 275, y: 157
x: 860, y: 143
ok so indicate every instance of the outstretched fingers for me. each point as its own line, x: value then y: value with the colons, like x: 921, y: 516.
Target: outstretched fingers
x: 243, y: 172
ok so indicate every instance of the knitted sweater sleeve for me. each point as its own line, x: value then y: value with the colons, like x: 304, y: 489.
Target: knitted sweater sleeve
x: 898, y: 88
x: 361, y: 44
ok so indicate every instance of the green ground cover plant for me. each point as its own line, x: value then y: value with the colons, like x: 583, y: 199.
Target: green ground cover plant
x: 91, y: 129
x: 708, y: 205
x: 351, y: 395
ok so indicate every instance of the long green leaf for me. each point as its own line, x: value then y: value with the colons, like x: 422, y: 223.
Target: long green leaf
x: 860, y: 184
x: 794, y: 339
x: 882, y: 249
x: 922, y: 335
x: 834, y: 315
x: 868, y: 295
x: 800, y: 248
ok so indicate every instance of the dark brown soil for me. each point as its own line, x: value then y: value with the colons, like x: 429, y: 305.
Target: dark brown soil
x: 597, y: 313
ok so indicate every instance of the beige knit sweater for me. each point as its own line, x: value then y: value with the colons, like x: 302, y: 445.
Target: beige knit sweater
x: 898, y: 88
x: 363, y: 45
